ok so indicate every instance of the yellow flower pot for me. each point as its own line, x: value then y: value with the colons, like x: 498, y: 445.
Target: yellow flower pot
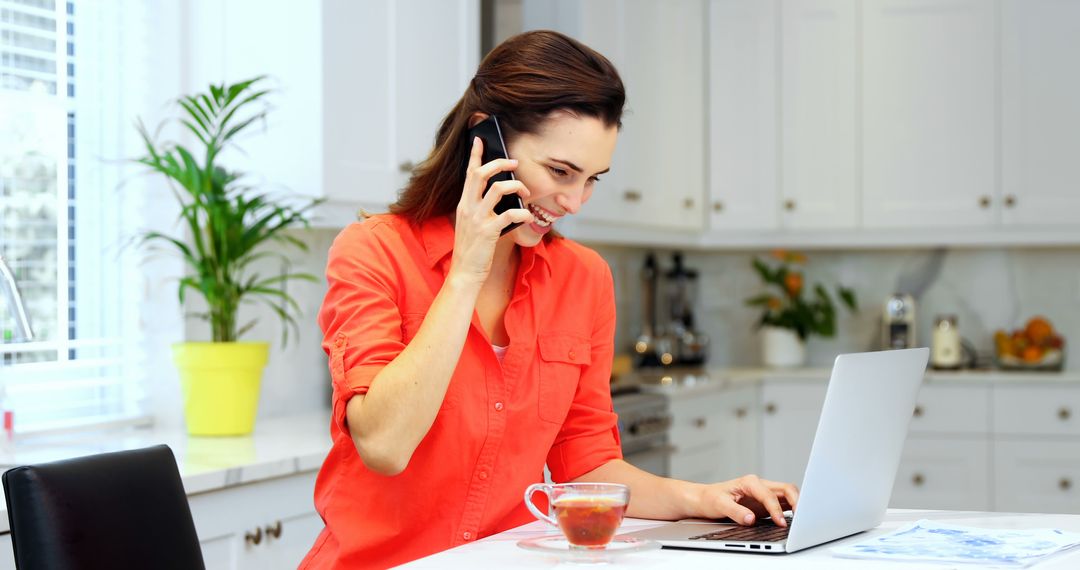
x: 220, y: 385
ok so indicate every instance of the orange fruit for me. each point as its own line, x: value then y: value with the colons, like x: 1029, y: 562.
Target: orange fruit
x: 1032, y: 354
x: 1038, y: 330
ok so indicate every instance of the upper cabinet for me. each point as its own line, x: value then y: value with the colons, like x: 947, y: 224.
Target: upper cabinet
x: 657, y: 177
x: 929, y: 113
x: 1040, y: 129
x: 362, y: 88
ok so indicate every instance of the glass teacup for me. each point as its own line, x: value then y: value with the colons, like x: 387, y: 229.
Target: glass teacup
x: 587, y: 513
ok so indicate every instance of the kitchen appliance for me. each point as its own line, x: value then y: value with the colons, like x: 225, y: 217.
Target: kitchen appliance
x: 644, y: 423
x: 645, y: 353
x: 690, y: 345
x: 946, y: 350
x: 898, y: 322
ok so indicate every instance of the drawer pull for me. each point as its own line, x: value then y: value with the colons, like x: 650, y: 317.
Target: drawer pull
x: 406, y: 167
x: 918, y: 412
x: 1064, y: 414
x: 718, y: 206
x: 1065, y: 484
x: 740, y: 412
x: 770, y: 408
x: 688, y: 203
x: 254, y: 538
x: 274, y: 531
x: 632, y: 196
x: 700, y: 423
x: 984, y: 202
x: 918, y: 479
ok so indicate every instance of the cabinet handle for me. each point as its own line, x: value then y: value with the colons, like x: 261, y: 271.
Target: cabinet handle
x: 918, y: 479
x: 1064, y: 414
x: 632, y: 196
x: 688, y: 203
x: 789, y: 205
x: 700, y: 423
x: 740, y: 412
x: 918, y: 412
x: 407, y: 166
x: 718, y: 206
x: 770, y: 408
x: 984, y: 201
x: 1010, y: 201
x: 1065, y: 484
x: 254, y: 537
x: 274, y: 531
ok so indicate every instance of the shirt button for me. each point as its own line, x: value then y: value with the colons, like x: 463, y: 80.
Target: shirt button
x: 572, y: 355
x: 498, y: 406
x: 467, y: 535
x: 483, y: 475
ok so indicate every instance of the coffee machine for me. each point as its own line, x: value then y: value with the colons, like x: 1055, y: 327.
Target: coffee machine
x: 898, y: 322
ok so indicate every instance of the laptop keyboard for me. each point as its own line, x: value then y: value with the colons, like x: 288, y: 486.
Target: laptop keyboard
x: 765, y: 531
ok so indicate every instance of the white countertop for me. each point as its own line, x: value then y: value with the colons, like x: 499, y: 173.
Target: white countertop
x: 279, y: 447
x: 501, y: 550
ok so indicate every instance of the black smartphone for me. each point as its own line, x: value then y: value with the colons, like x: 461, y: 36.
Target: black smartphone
x: 494, y: 147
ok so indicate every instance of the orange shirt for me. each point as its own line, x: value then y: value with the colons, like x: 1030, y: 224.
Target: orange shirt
x: 549, y: 401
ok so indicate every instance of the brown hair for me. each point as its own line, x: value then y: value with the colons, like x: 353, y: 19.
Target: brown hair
x: 522, y: 81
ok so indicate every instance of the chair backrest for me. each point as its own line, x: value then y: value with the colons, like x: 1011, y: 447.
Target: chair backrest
x: 113, y: 510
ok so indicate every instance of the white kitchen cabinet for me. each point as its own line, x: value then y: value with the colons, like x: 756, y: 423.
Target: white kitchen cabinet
x: 264, y: 525
x: 789, y: 417
x: 1037, y: 476
x: 817, y: 114
x: 657, y: 177
x: 939, y: 473
x: 363, y: 87
x: 714, y: 435
x: 1040, y: 120
x: 929, y: 113
x: 743, y: 88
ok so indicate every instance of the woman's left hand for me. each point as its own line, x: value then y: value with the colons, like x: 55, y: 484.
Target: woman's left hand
x: 747, y: 498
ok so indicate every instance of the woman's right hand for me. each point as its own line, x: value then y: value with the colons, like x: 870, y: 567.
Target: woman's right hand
x: 477, y: 228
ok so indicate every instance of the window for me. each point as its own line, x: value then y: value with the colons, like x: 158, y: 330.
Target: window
x: 63, y: 216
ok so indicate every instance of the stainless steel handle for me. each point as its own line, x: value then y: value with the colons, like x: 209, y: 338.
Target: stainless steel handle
x: 688, y: 203
x: 918, y: 479
x: 275, y: 530
x: 789, y: 205
x: 632, y: 196
x: 254, y: 538
x: 718, y: 206
x: 917, y: 412
x: 770, y: 408
x: 984, y: 201
x: 1064, y: 414
x: 1010, y: 201
x: 1065, y: 484
x: 407, y: 167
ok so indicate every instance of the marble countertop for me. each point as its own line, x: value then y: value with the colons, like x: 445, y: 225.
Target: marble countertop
x: 279, y: 447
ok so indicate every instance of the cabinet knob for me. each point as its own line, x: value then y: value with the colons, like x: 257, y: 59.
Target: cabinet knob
x: 918, y: 479
x: 740, y: 412
x: 718, y: 206
x: 700, y: 423
x: 789, y: 205
x: 407, y: 167
x: 1065, y: 484
x: 1010, y: 201
x: 688, y: 203
x: 1064, y: 414
x: 770, y: 408
x: 632, y: 196
x: 984, y: 201
x: 254, y: 538
x: 917, y: 412
x: 275, y: 530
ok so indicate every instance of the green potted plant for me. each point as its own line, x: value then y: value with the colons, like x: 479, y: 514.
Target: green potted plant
x: 788, y: 318
x: 226, y: 227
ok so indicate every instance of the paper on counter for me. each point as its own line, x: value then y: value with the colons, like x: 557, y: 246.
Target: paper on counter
x: 929, y: 541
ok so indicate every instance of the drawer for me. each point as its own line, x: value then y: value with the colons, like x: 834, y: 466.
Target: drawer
x: 1036, y: 410
x: 700, y: 466
x: 707, y: 420
x: 943, y: 474
x: 951, y: 409
x: 1041, y: 477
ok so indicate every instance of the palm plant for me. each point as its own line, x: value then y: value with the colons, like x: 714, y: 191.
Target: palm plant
x: 228, y: 222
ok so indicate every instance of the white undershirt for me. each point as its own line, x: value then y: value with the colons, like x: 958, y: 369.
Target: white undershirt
x: 500, y: 352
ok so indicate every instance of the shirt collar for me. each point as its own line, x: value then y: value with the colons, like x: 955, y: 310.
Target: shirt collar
x: 437, y: 235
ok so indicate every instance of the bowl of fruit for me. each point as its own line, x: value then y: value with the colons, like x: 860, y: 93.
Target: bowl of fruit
x: 1036, y: 346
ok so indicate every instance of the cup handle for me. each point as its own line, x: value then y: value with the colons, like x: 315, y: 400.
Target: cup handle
x: 543, y: 487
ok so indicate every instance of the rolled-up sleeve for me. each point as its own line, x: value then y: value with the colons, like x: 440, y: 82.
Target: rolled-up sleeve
x: 589, y: 436
x: 360, y: 318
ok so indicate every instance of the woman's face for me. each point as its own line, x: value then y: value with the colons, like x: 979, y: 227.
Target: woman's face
x: 559, y: 164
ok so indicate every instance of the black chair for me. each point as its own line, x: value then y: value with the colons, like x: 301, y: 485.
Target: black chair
x: 114, y: 510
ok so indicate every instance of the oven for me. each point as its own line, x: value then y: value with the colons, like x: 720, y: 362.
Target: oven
x: 644, y: 424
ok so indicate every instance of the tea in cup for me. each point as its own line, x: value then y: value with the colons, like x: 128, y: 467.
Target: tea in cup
x: 587, y: 513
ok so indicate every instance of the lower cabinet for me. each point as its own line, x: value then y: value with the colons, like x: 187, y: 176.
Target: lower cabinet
x: 715, y: 435
x: 265, y: 525
x: 943, y: 474
x: 1037, y: 476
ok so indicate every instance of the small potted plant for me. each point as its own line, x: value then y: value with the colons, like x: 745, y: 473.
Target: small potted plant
x: 788, y: 318
x: 227, y: 225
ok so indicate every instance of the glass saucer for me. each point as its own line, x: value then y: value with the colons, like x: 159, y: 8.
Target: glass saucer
x: 560, y: 547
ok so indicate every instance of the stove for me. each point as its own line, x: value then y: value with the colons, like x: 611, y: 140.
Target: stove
x: 644, y: 423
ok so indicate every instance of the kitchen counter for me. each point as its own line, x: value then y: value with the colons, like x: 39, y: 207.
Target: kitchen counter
x: 501, y: 550
x: 279, y: 447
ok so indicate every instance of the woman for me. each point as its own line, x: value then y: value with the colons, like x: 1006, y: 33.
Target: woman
x: 462, y: 361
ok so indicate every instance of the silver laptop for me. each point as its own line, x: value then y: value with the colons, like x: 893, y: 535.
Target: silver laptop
x: 853, y: 462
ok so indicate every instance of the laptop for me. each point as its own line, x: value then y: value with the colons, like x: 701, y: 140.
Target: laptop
x: 852, y: 467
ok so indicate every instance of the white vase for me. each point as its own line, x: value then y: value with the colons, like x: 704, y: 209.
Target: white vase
x: 782, y: 348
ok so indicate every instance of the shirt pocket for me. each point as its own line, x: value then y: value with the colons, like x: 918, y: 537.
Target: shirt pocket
x: 562, y: 357
x: 410, y: 325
